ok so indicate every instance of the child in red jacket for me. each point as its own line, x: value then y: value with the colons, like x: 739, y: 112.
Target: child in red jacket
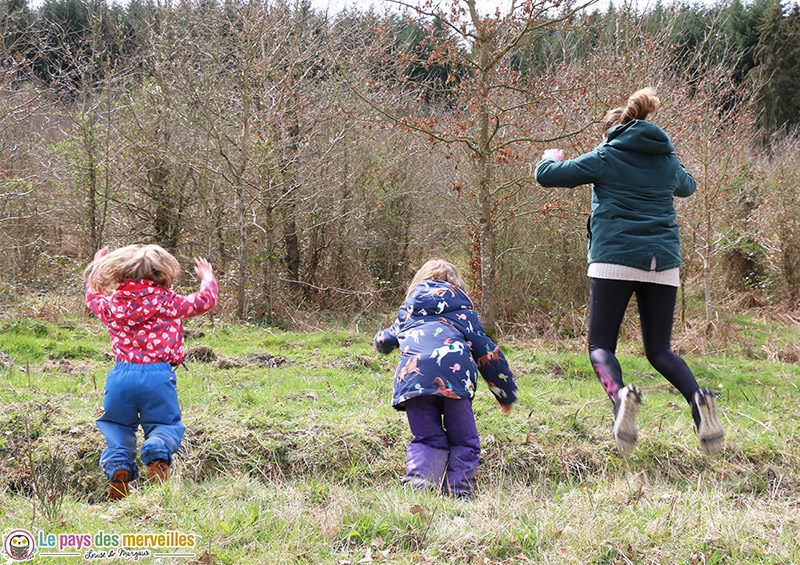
x: 143, y: 317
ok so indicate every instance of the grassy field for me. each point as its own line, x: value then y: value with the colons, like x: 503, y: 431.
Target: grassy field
x: 296, y: 456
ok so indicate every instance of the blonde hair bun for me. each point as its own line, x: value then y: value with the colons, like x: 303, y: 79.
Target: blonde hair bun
x: 641, y: 104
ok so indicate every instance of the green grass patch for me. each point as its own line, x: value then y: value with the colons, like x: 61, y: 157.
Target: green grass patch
x: 300, y: 460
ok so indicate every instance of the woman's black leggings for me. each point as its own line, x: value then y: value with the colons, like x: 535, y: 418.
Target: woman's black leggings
x: 608, y: 300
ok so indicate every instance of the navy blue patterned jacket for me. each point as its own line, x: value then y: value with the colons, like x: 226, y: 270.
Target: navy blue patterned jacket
x: 443, y: 347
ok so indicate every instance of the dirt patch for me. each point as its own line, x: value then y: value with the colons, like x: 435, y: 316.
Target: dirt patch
x: 358, y: 363
x: 782, y: 354
x: 266, y: 360
x: 205, y: 354
x: 69, y: 367
x: 226, y: 362
x: 22, y: 425
x: 193, y: 334
x: 201, y: 353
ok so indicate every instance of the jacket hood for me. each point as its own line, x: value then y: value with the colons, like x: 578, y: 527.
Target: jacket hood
x: 433, y: 297
x: 134, y: 300
x: 640, y: 136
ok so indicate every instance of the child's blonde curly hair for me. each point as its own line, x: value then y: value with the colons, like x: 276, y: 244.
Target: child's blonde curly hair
x: 436, y: 269
x: 151, y: 262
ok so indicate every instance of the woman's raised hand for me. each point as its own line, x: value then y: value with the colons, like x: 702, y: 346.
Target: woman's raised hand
x: 557, y: 154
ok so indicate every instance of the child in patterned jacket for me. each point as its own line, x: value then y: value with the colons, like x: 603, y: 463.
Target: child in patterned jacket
x: 143, y: 317
x: 443, y: 347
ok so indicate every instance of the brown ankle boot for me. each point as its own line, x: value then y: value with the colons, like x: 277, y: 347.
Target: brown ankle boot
x: 118, y: 489
x: 157, y: 471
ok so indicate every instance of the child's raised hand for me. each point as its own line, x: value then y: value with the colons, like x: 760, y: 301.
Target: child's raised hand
x: 100, y: 253
x: 505, y: 408
x: 203, y: 268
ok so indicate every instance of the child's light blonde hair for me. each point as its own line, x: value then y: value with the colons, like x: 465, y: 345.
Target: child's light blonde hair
x: 151, y: 262
x: 436, y: 269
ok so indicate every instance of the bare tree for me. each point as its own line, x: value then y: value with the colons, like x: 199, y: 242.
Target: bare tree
x: 473, y: 55
x: 776, y: 221
x: 24, y: 103
x: 88, y: 92
x: 714, y: 124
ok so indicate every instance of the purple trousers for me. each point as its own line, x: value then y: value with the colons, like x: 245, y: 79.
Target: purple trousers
x: 445, y: 447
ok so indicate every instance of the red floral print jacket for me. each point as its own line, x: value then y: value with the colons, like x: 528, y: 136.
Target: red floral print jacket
x: 144, y: 319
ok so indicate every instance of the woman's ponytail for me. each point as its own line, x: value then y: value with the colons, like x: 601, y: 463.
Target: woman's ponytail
x: 641, y: 104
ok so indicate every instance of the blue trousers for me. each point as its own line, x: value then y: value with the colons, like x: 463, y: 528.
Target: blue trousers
x: 139, y: 394
x: 445, y: 447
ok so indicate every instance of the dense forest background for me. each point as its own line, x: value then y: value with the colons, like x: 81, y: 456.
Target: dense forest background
x: 318, y: 159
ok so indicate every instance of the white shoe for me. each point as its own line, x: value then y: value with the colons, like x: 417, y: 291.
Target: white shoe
x: 626, y: 407
x: 709, y: 428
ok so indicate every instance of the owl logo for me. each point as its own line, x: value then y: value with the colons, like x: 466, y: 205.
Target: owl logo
x: 18, y: 545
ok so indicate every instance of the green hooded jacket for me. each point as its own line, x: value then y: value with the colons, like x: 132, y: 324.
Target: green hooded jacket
x: 635, y: 175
